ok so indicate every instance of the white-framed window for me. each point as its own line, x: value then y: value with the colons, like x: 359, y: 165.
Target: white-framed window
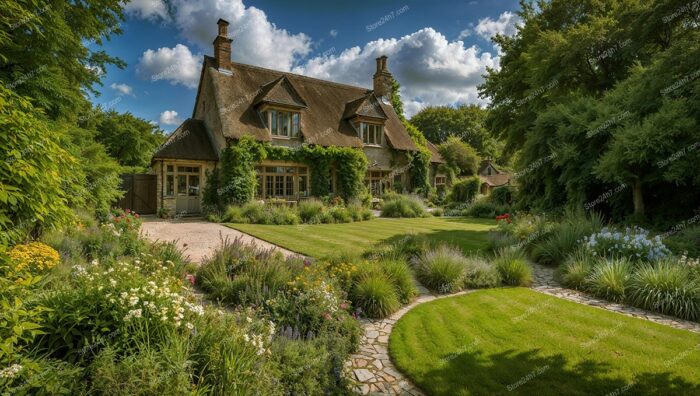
x: 371, y: 134
x: 283, y: 123
x: 440, y: 180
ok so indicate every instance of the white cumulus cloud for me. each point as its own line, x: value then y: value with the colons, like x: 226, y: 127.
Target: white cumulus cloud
x: 122, y: 89
x: 147, y: 9
x: 177, y: 65
x: 256, y: 40
x: 333, y: 33
x: 430, y: 69
x: 169, y: 117
x: 506, y: 24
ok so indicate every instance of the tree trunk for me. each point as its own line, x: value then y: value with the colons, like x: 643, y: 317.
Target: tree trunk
x: 637, y: 196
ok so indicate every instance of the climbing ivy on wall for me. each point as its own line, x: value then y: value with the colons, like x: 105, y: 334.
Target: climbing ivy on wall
x: 235, y: 181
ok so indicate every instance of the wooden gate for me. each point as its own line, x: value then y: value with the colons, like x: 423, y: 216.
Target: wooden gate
x: 139, y: 193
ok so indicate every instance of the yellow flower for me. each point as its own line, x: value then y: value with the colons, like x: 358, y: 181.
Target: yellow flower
x: 34, y: 257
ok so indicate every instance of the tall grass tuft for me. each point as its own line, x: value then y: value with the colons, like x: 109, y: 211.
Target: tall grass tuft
x: 403, y: 206
x: 401, y: 276
x: 513, y: 267
x: 665, y: 287
x: 442, y: 269
x: 609, y: 279
x: 575, y: 270
x: 375, y: 295
x: 566, y: 237
x: 480, y: 273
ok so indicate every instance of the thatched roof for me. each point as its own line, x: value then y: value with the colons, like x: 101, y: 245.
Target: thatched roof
x: 190, y: 141
x: 323, y: 105
x: 435, y: 156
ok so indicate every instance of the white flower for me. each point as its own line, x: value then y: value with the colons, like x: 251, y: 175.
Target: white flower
x: 10, y: 372
x: 189, y: 325
x: 133, y: 300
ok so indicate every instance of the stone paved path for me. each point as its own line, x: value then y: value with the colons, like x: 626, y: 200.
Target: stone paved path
x: 370, y: 368
x: 198, y: 238
x: 544, y: 281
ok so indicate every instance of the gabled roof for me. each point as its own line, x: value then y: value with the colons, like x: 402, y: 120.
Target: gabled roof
x: 497, y: 180
x: 435, y: 155
x: 365, y: 106
x: 485, y: 164
x: 237, y: 93
x: 280, y: 91
x: 189, y: 141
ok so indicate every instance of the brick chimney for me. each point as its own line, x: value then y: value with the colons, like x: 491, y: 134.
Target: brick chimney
x: 222, y: 47
x: 382, y: 79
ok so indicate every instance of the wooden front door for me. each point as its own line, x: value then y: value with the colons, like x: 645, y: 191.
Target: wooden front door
x: 188, y: 182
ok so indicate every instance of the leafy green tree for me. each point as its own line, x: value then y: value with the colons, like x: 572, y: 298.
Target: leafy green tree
x: 460, y: 155
x: 465, y: 122
x: 129, y: 139
x: 31, y: 194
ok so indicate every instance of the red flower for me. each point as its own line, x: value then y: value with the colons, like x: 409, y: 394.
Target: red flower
x: 136, y: 215
x: 191, y: 278
x: 128, y: 211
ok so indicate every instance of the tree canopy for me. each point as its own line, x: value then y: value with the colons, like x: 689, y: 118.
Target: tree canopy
x: 598, y: 98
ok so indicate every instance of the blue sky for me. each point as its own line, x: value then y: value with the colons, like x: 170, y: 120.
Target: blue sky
x: 437, y: 50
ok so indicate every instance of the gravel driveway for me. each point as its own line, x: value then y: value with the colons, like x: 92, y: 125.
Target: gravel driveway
x: 198, y: 238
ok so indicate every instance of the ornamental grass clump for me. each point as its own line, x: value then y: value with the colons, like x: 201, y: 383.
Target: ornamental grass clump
x: 480, y: 273
x: 565, y: 238
x: 398, y: 205
x: 375, y: 295
x: 310, y: 211
x: 665, y: 287
x: 609, y: 279
x: 513, y: 267
x: 398, y: 271
x: 633, y: 243
x: 575, y: 270
x: 442, y: 269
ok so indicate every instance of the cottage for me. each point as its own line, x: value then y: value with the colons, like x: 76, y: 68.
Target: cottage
x: 235, y: 100
x: 492, y: 177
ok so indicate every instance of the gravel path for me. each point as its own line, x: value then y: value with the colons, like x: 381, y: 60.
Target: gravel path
x: 198, y: 238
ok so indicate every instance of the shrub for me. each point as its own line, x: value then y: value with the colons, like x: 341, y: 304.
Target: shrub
x: 501, y: 195
x: 634, y: 244
x: 375, y: 295
x: 576, y: 269
x: 483, y: 208
x: 310, y: 211
x: 238, y: 273
x: 480, y: 273
x: 401, y: 276
x: 403, y: 206
x: 465, y: 190
x: 513, y: 267
x: 609, y: 279
x: 667, y: 288
x: 34, y: 257
x: 282, y: 215
x: 234, y: 214
x: 304, y: 367
x: 438, y: 212
x: 340, y: 215
x: 442, y: 269
x: 685, y: 241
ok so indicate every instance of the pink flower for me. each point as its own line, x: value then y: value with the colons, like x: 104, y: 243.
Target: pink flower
x: 191, y: 278
x: 343, y: 306
x: 128, y: 211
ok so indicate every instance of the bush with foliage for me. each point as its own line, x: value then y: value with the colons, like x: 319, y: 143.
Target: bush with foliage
x: 513, y: 267
x: 399, y: 205
x: 502, y: 195
x: 685, y: 241
x: 485, y: 209
x: 34, y: 258
x: 465, y: 190
x: 442, y: 269
x: 460, y: 155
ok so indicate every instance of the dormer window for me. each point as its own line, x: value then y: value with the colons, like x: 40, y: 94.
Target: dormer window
x: 371, y: 134
x: 283, y: 123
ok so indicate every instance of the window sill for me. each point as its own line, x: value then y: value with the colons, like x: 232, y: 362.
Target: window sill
x: 286, y: 137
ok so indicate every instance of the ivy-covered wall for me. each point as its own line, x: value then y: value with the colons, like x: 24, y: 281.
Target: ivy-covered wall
x: 235, y: 180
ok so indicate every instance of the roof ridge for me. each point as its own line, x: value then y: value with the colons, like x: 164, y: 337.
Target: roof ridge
x: 300, y: 76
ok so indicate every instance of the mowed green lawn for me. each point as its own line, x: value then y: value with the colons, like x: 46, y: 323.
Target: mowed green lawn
x: 518, y: 341
x: 322, y: 240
